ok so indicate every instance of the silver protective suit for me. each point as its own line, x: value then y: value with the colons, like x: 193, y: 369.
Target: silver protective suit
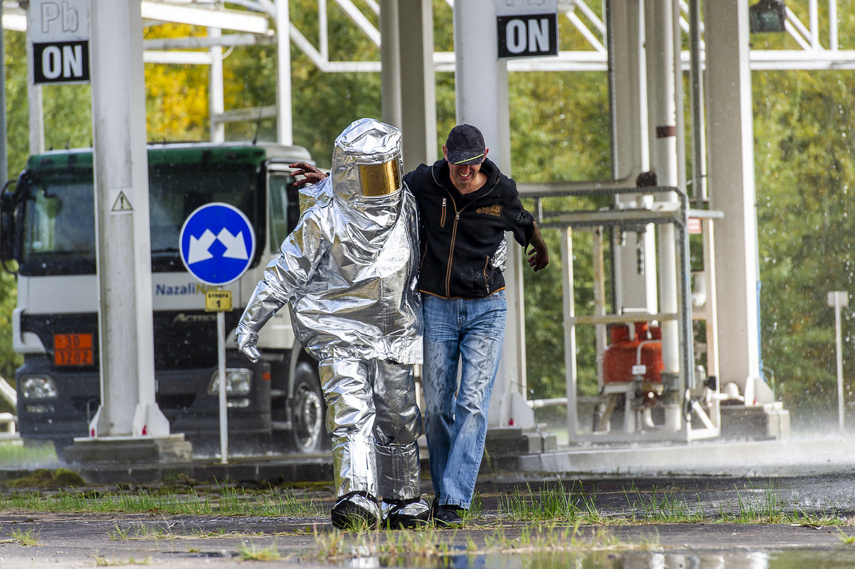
x: 348, y: 272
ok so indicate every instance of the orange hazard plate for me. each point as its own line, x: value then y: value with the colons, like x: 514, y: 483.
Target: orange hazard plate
x: 72, y: 349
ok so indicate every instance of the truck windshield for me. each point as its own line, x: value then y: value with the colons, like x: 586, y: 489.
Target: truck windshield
x: 58, y: 224
x: 59, y: 217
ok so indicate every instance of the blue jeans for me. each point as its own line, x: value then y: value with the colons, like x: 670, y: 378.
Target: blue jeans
x: 456, y: 418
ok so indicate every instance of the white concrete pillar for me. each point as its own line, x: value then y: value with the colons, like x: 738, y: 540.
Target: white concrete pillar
x: 481, y: 87
x: 34, y: 99
x: 284, y: 113
x: 390, y: 58
x: 481, y: 80
x: 418, y: 88
x: 216, y: 104
x: 730, y: 144
x: 128, y: 406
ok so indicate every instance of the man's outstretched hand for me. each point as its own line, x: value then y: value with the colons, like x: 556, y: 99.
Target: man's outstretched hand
x: 311, y: 175
x: 539, y: 253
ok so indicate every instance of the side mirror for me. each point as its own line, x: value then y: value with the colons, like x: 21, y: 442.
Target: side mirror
x: 293, y: 206
x: 7, y: 224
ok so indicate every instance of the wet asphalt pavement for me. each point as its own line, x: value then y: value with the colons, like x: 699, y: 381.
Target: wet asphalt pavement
x: 492, y: 538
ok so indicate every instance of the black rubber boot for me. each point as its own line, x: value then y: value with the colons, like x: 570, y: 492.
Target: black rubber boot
x: 356, y: 510
x: 406, y: 514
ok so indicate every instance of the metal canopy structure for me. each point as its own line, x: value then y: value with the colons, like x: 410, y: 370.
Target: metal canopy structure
x: 256, y: 25
x: 645, y: 98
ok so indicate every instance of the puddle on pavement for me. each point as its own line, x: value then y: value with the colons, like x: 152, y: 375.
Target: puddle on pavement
x: 779, y: 559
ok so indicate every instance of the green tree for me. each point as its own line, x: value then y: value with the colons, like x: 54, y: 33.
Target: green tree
x: 804, y: 164
x: 176, y: 95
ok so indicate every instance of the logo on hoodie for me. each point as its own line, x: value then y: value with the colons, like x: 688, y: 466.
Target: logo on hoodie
x: 494, y: 210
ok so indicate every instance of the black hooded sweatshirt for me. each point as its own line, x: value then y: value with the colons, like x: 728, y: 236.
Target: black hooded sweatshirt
x: 459, y: 234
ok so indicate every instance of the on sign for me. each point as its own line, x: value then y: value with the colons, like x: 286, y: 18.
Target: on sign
x: 527, y: 28
x: 60, y: 36
x: 528, y: 36
x: 61, y: 62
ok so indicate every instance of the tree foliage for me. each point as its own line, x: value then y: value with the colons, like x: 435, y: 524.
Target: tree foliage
x: 805, y: 163
x: 176, y: 95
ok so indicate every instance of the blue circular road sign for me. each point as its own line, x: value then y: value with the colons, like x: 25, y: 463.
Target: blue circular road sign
x: 217, y: 243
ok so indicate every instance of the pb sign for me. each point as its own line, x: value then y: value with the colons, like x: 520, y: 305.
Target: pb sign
x: 60, y: 34
x: 527, y: 28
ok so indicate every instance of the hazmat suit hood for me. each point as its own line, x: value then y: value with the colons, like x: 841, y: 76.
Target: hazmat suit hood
x: 366, y: 169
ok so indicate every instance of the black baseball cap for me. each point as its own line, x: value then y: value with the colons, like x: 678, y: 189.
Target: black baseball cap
x: 465, y: 145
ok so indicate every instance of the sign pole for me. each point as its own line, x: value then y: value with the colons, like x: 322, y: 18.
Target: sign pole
x: 839, y: 299
x: 220, y: 301
x: 221, y: 361
x: 229, y: 228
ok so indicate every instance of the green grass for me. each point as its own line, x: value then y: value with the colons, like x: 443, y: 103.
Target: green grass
x: 223, y: 501
x: 44, y: 478
x: 251, y: 553
x: 14, y: 453
x: 27, y: 538
x: 550, y: 519
x: 550, y: 503
x: 432, y: 543
x: 559, y: 504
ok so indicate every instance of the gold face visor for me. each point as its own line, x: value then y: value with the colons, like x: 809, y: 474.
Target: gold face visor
x: 379, y: 179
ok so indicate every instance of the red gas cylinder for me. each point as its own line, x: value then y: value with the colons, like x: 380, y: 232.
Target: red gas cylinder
x: 622, y: 354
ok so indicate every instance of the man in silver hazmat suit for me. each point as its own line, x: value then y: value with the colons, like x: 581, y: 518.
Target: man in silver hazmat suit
x: 348, y: 272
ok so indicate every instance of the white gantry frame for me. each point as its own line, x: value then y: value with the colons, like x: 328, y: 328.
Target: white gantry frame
x: 256, y: 25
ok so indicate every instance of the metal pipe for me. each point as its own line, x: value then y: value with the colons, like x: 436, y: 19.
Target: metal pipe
x: 832, y: 25
x: 698, y: 147
x: 666, y: 170
x: 611, y: 82
x: 679, y: 115
x: 814, y: 24
x: 216, y: 102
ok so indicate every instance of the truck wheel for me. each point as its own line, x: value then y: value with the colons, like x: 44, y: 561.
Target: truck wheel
x: 308, y: 431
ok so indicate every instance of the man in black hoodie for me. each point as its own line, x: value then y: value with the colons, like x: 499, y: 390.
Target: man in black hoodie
x: 465, y: 207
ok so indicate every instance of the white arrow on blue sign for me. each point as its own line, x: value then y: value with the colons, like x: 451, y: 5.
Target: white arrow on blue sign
x: 217, y: 243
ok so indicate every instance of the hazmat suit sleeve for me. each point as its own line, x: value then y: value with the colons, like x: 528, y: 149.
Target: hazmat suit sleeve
x: 285, y: 277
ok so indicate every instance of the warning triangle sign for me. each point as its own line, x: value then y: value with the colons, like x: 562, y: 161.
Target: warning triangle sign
x: 122, y: 203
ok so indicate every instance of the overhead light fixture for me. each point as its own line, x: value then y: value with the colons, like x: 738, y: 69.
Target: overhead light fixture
x: 767, y: 16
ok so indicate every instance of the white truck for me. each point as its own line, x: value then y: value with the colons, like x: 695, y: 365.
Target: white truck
x: 48, y: 230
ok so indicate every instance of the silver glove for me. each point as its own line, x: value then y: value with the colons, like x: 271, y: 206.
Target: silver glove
x: 246, y: 339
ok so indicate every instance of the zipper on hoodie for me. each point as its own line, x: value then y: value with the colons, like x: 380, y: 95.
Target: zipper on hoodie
x: 486, y: 278
x: 442, y: 220
x: 451, y: 250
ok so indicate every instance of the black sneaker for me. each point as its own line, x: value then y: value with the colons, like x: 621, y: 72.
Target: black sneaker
x: 406, y: 514
x: 357, y: 510
x: 447, y: 516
